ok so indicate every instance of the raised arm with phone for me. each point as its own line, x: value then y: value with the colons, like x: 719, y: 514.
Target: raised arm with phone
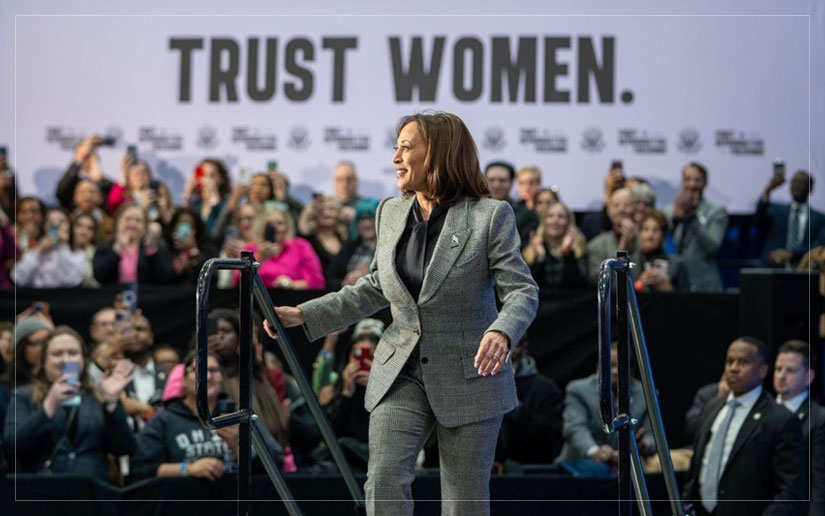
x: 793, y: 228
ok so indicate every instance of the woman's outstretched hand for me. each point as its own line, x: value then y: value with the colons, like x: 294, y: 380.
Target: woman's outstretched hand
x: 289, y: 316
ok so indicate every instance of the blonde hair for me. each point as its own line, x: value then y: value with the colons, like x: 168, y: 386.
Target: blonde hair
x: 530, y: 255
x: 531, y: 170
x: 340, y: 228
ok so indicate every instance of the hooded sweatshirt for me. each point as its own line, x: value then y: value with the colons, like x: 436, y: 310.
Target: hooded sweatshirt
x: 175, y: 435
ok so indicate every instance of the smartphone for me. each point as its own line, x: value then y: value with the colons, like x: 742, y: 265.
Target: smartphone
x: 72, y: 370
x: 269, y: 233
x: 153, y: 184
x: 317, y: 196
x: 53, y: 232
x: 272, y: 165
x: 121, y: 317
x: 211, y: 326
x: 199, y: 173
x: 108, y: 141
x: 779, y: 168
x: 362, y: 353
x: 131, y: 150
x: 183, y: 231
x: 244, y: 175
x: 3, y: 151
x: 129, y: 297
x: 616, y: 164
x: 660, y: 265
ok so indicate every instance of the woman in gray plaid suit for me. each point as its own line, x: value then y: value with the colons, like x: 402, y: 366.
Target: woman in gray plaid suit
x: 445, y: 252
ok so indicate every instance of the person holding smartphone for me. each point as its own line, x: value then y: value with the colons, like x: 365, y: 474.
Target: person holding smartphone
x: 287, y: 261
x: 52, y: 263
x: 137, y: 254
x: 794, y: 228
x: 60, y: 423
x: 207, y: 191
x: 85, y: 165
x: 189, y: 245
x: 658, y: 271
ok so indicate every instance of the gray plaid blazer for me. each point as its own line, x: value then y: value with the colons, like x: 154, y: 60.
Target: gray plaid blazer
x: 476, y: 257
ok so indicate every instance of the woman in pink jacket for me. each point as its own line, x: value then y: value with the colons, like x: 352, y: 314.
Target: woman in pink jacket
x: 286, y: 261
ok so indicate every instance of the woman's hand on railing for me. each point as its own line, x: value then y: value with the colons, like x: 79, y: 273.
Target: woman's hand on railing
x: 288, y: 315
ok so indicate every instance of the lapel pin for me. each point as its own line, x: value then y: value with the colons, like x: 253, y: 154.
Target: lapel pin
x: 756, y: 416
x: 801, y: 416
x: 455, y: 241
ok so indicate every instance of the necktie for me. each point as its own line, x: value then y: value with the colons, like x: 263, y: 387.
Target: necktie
x: 708, y: 489
x: 793, y: 228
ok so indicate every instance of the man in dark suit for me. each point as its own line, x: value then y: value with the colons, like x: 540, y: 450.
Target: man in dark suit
x: 792, y: 377
x: 748, y: 454
x: 793, y: 228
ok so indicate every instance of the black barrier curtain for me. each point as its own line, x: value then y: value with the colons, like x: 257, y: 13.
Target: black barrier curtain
x: 687, y: 333
x: 526, y: 495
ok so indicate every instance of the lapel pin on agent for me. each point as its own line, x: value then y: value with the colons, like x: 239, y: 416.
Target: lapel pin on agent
x: 455, y: 241
x: 756, y: 416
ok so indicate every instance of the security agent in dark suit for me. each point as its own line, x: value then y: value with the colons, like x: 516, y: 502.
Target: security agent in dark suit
x: 749, y: 453
x: 792, y: 378
x: 793, y: 229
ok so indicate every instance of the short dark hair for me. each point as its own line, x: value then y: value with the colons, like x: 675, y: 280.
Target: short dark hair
x: 659, y: 218
x: 761, y: 348
x: 799, y: 347
x: 509, y: 166
x: 701, y: 168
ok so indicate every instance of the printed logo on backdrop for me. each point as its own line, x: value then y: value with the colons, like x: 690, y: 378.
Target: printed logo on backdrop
x: 64, y: 137
x: 543, y: 140
x: 739, y: 143
x: 689, y: 141
x: 160, y: 139
x: 592, y: 140
x: 207, y: 138
x: 298, y: 138
x: 346, y: 139
x: 642, y: 142
x: 494, y: 139
x: 254, y: 139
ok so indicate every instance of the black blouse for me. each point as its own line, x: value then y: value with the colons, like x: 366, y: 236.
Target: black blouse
x: 416, y: 245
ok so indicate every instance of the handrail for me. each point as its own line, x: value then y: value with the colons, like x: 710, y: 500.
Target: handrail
x: 652, y: 399
x: 629, y: 315
x: 250, y: 436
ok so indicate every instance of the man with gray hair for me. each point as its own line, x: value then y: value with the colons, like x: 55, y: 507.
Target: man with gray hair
x: 643, y: 199
x: 623, y: 237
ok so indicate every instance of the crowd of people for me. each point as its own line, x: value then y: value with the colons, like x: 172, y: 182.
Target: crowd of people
x: 125, y: 410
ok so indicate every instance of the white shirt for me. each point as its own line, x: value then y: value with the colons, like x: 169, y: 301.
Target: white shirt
x: 746, y: 403
x: 144, y: 381
x: 794, y: 403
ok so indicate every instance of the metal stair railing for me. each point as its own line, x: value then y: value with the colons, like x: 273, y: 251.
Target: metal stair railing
x: 629, y: 324
x: 251, y: 433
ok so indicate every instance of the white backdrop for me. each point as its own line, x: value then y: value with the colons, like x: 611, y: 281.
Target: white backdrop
x: 729, y: 91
